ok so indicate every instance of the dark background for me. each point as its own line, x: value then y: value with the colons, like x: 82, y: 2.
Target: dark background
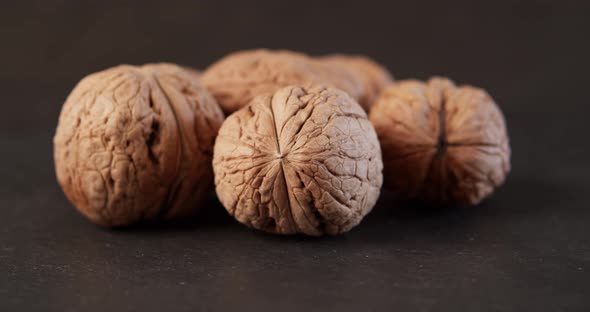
x: 525, y: 249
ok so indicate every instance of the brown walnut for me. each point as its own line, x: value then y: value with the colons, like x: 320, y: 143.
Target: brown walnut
x: 135, y: 143
x: 301, y: 160
x: 373, y: 76
x: 440, y: 142
x: 238, y: 77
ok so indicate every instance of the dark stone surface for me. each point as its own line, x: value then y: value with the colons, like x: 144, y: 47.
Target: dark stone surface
x: 525, y: 249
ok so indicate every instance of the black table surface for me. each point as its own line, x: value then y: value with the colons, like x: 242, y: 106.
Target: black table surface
x: 527, y: 248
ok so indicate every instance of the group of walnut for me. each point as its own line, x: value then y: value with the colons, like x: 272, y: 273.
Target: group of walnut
x: 306, y: 144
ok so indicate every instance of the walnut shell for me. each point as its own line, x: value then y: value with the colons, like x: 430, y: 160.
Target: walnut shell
x: 238, y: 77
x: 135, y: 143
x: 301, y: 160
x: 374, y: 77
x: 440, y: 142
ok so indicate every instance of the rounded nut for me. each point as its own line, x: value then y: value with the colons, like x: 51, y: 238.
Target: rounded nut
x: 135, y: 143
x: 301, y: 160
x: 373, y: 76
x: 441, y: 142
x: 238, y: 77
x: 338, y: 76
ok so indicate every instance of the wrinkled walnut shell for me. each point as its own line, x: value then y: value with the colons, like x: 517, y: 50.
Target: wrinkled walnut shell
x: 238, y: 77
x: 440, y: 142
x: 374, y: 77
x: 301, y: 160
x: 135, y: 143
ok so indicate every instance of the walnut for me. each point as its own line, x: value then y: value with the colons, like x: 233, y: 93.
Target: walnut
x: 302, y: 160
x: 135, y: 143
x: 373, y: 76
x: 237, y: 78
x: 441, y: 143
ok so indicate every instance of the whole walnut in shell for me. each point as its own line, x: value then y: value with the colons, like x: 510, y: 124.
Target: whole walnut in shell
x: 440, y: 142
x: 373, y: 77
x: 135, y: 143
x: 238, y: 77
x: 301, y: 160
